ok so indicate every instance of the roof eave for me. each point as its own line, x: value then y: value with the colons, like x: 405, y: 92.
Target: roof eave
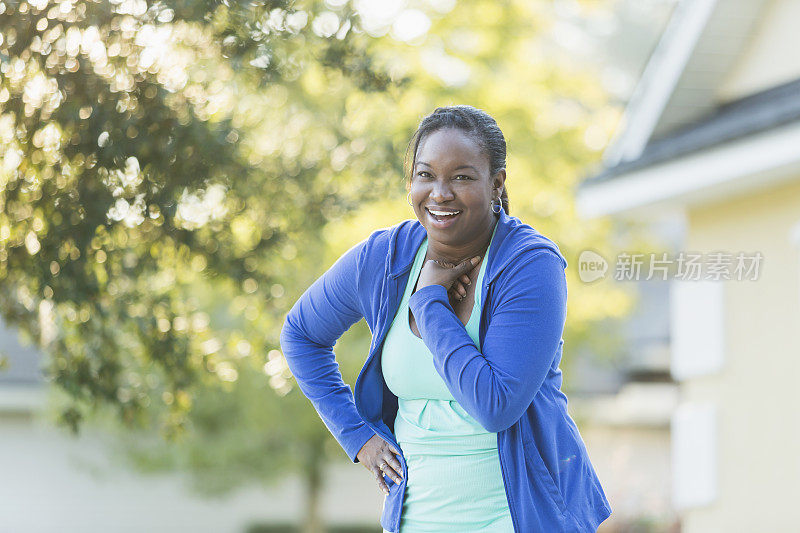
x: 658, y: 81
x: 728, y: 169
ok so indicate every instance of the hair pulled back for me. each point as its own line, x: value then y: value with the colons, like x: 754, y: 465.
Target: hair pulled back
x: 471, y: 120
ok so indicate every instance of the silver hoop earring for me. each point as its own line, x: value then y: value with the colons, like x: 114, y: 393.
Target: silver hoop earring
x: 499, y: 206
x: 408, y: 199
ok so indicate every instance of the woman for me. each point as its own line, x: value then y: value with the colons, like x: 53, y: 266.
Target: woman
x: 458, y: 410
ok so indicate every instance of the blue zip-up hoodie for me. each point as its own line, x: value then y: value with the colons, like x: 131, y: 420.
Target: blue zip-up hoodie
x: 512, y: 388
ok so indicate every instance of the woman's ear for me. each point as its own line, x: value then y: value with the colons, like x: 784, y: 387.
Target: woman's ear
x: 499, y: 180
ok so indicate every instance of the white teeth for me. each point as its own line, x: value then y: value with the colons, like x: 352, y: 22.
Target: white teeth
x: 443, y: 213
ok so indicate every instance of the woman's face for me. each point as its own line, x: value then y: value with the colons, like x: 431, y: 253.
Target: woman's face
x: 451, y: 173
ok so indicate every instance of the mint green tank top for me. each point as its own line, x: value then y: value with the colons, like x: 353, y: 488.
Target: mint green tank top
x: 454, y: 479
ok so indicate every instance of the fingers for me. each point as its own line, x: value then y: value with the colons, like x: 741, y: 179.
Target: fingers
x: 453, y: 292
x: 467, y: 265
x: 392, y: 468
x: 381, y: 483
x: 389, y: 467
x: 454, y: 277
x: 391, y: 464
x: 386, y: 463
x: 458, y: 289
x: 392, y: 471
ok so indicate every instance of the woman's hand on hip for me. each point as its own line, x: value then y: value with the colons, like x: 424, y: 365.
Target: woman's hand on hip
x: 435, y: 273
x: 377, y: 456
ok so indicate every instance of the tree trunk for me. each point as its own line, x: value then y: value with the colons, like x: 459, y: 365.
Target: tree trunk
x: 312, y: 521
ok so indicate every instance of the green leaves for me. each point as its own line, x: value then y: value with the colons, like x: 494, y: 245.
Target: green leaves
x: 143, y: 162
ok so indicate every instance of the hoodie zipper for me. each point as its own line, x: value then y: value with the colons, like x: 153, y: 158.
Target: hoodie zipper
x: 500, y: 456
x: 505, y: 485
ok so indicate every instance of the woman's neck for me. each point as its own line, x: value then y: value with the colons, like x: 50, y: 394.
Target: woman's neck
x: 457, y: 254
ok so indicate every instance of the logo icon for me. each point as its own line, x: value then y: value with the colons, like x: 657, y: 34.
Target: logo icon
x: 591, y: 266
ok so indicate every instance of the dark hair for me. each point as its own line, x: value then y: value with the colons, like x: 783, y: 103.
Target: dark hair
x: 468, y: 119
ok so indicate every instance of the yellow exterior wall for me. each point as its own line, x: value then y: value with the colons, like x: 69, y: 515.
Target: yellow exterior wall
x: 757, y: 392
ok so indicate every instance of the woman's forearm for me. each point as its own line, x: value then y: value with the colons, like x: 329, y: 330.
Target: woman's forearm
x: 497, y: 385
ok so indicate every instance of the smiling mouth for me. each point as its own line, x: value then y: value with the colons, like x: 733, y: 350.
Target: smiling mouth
x: 441, y: 217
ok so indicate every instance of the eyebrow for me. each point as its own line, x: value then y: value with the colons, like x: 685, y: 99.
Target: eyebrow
x: 457, y: 168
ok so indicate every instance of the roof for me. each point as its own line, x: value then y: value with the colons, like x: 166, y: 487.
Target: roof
x: 758, y: 112
x: 682, y: 80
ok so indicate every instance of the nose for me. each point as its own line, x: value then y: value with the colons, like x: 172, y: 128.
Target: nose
x: 441, y: 191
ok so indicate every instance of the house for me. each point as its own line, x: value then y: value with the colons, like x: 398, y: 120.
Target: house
x: 711, y: 137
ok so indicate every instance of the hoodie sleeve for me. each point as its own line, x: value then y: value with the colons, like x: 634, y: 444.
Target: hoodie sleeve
x: 497, y: 386
x: 328, y: 308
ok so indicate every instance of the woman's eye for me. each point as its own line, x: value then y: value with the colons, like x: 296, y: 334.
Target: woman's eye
x: 424, y: 174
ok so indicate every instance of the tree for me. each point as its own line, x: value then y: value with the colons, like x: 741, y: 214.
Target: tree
x: 162, y: 162
x: 126, y: 177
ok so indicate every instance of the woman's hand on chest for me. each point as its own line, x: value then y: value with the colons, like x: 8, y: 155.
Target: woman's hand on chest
x: 447, y: 275
x: 462, y: 306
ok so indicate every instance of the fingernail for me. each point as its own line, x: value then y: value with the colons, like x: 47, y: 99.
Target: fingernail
x: 476, y: 259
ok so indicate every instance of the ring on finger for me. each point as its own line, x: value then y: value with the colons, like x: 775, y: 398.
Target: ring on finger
x: 382, y: 466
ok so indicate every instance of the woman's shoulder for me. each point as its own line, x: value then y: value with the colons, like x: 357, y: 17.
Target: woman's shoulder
x: 381, y: 240
x: 523, y: 242
x: 372, y: 254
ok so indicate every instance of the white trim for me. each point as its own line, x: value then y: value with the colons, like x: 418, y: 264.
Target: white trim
x: 794, y: 238
x: 697, y: 327
x: 658, y: 81
x: 731, y: 168
x: 693, y: 445
x: 794, y: 235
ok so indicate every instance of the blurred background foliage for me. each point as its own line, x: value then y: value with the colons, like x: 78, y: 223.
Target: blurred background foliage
x: 176, y: 173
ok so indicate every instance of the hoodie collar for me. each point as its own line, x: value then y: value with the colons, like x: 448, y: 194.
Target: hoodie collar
x: 510, y: 239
